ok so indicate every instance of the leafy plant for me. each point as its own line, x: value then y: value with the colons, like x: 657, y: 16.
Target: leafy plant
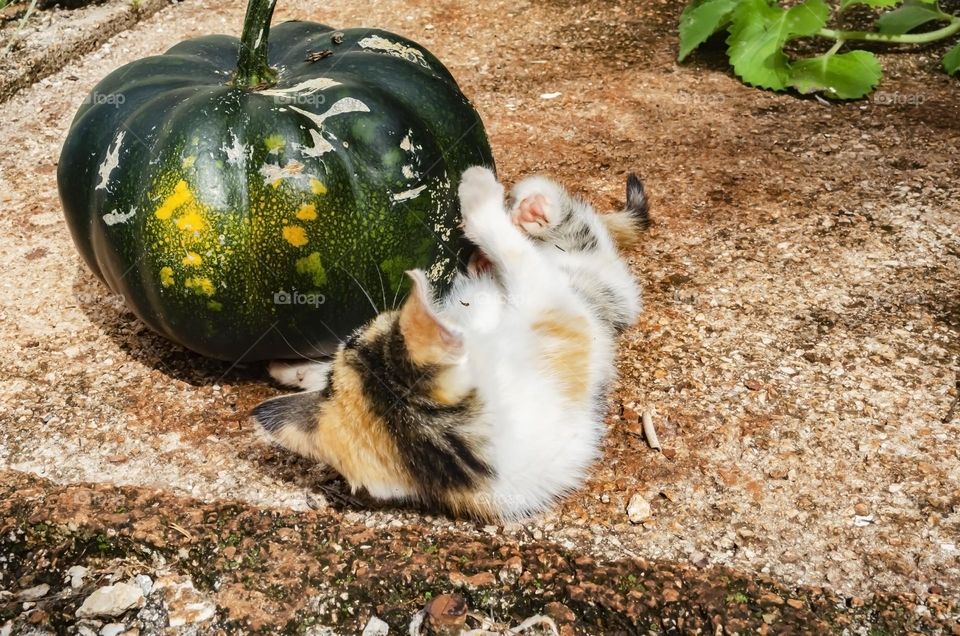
x: 758, y: 31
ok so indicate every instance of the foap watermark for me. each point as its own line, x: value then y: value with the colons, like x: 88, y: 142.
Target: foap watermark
x: 295, y: 297
x: 294, y: 98
x: 884, y: 98
x: 97, y: 98
x: 698, y: 99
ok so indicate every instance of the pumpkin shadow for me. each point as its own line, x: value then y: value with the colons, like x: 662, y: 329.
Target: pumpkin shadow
x: 107, y: 311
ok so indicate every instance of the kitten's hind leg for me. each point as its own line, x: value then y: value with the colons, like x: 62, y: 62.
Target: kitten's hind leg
x: 306, y: 374
x: 537, y: 205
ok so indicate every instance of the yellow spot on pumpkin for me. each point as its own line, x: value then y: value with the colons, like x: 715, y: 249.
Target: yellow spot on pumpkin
x: 189, y: 161
x: 166, y: 276
x: 181, y: 194
x: 312, y: 267
x: 192, y: 259
x: 200, y: 285
x: 317, y: 187
x: 274, y: 143
x: 295, y: 235
x: 307, y: 212
x: 191, y: 221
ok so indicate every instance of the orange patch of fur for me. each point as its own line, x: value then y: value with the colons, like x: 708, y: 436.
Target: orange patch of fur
x: 566, y: 346
x: 623, y: 229
x: 354, y: 441
x: 428, y: 340
x: 470, y: 503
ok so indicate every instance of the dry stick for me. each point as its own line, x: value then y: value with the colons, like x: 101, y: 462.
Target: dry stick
x: 416, y: 623
x: 535, y: 621
x: 953, y: 409
x: 179, y: 529
x: 16, y: 34
x: 649, y: 432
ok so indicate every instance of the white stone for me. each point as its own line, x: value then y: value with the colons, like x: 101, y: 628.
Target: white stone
x: 112, y: 629
x: 638, y: 510
x: 376, y: 627
x: 112, y: 600
x: 33, y: 593
x: 144, y: 582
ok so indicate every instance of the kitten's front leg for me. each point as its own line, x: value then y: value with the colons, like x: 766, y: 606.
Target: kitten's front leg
x: 523, y: 271
x: 485, y: 221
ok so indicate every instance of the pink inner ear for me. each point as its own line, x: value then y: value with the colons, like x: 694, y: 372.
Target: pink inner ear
x: 428, y: 338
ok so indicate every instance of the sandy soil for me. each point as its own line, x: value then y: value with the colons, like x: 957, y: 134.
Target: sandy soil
x: 40, y: 43
x: 800, y: 340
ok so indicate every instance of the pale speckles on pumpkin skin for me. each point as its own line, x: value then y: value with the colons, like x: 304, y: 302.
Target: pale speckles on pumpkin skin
x: 396, y: 49
x: 110, y: 162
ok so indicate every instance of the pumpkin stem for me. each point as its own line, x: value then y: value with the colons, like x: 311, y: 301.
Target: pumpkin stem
x: 253, y: 70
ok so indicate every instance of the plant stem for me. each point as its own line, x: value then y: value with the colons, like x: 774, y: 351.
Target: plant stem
x: 836, y: 47
x: 253, y: 69
x: 890, y: 38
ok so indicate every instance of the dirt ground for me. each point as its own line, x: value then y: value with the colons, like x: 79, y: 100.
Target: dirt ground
x: 799, y: 341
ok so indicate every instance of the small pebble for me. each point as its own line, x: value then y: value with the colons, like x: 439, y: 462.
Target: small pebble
x: 376, y: 627
x: 638, y: 510
x: 33, y: 593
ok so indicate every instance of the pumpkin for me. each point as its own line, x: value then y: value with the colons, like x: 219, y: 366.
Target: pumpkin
x: 261, y: 197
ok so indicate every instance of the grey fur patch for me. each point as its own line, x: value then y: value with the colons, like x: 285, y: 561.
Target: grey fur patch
x: 299, y: 410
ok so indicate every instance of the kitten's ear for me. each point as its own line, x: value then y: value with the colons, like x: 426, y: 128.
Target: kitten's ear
x: 291, y: 421
x: 429, y: 340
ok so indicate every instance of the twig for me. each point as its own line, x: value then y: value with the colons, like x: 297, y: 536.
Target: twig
x: 186, y: 534
x: 16, y: 34
x: 416, y: 623
x: 533, y: 621
x: 649, y: 432
x: 953, y: 409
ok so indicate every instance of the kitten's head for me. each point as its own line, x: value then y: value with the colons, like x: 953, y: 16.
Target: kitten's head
x: 385, y: 418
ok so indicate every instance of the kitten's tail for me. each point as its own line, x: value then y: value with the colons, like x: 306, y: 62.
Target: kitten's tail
x: 626, y: 226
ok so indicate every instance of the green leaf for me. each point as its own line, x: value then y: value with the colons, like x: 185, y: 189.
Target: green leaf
x: 758, y: 32
x: 907, y: 18
x: 844, y: 4
x: 700, y: 20
x: 951, y: 61
x: 845, y: 76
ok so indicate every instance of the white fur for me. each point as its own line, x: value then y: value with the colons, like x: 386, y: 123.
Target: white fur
x: 541, y: 443
x: 306, y: 375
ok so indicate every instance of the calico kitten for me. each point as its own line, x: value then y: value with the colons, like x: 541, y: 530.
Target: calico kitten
x: 490, y: 402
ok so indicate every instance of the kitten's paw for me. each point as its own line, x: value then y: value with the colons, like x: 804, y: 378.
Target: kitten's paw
x: 309, y: 376
x: 479, y: 191
x: 534, y: 214
x: 537, y: 205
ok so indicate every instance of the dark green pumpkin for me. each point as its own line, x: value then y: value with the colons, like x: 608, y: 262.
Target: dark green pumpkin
x: 263, y: 205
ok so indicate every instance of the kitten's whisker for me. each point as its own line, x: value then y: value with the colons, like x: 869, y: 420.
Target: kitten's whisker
x: 397, y: 293
x: 297, y: 351
x: 362, y: 289
x: 383, y: 292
